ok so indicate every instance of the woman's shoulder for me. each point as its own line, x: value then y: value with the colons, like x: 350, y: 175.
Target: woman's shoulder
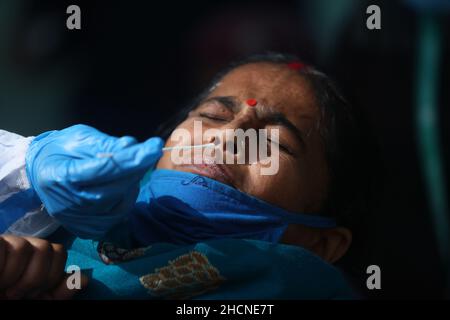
x: 285, y: 271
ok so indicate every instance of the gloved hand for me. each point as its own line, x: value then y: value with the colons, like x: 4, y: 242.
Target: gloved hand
x: 88, y: 180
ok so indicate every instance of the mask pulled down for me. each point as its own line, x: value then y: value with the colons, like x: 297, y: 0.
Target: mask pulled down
x: 183, y: 208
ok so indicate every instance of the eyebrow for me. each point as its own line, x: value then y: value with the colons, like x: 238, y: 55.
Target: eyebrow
x: 269, y: 115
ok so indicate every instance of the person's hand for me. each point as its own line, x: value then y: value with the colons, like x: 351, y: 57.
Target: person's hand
x: 86, y: 179
x: 33, y: 268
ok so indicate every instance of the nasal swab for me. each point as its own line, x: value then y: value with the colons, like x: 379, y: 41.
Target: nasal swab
x: 195, y: 146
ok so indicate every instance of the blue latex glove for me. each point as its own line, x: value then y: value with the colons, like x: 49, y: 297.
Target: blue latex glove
x: 86, y: 179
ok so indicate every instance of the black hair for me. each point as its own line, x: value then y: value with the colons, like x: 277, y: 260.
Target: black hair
x: 351, y: 150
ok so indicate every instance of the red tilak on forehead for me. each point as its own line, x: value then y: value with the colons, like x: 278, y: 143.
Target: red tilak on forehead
x: 296, y: 65
x: 252, y: 102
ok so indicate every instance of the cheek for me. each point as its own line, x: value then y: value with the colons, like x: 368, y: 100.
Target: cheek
x: 165, y: 161
x: 297, y: 186
x: 280, y: 189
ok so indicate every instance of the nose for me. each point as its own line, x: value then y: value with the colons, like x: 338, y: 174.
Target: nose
x: 239, y: 138
x: 246, y: 118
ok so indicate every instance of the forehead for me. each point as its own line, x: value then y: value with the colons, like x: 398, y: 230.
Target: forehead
x: 274, y: 85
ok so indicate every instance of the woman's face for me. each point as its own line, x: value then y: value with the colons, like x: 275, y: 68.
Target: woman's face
x: 285, y: 102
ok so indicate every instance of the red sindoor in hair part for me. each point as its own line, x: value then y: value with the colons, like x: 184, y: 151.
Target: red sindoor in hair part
x: 296, y: 65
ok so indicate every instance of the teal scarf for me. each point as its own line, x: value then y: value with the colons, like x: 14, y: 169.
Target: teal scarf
x: 216, y: 269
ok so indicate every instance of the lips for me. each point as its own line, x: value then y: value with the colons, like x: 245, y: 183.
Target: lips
x: 214, y: 171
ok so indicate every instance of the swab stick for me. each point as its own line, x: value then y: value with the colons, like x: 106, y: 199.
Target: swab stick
x: 207, y: 145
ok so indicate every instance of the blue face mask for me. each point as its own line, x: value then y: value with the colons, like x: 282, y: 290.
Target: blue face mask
x: 181, y: 208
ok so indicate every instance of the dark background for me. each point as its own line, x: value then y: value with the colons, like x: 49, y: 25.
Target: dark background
x: 134, y: 64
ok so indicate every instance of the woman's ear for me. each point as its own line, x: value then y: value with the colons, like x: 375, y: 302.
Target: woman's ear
x: 332, y: 244
x: 329, y: 244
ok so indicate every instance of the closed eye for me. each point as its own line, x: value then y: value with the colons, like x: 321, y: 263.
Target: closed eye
x: 281, y: 146
x: 212, y: 117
